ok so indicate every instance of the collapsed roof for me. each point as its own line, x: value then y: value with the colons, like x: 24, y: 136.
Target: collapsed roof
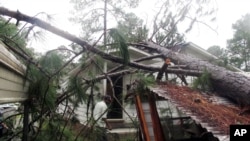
x: 214, y: 113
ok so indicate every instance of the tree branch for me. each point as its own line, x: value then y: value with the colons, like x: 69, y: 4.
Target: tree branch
x: 137, y: 60
x: 35, y: 21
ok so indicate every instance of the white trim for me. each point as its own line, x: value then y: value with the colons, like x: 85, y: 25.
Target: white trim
x: 207, y: 54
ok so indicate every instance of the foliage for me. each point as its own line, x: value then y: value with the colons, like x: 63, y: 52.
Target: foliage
x: 90, y: 14
x: 144, y: 81
x: 221, y: 54
x: 133, y: 29
x: 239, y: 46
x: 44, y: 80
x: 55, y: 130
x: 216, y: 51
x: 13, y: 37
x: 78, y: 91
x: 43, y: 89
x: 51, y: 62
x: 42, y: 93
x: 118, y: 42
x: 203, y: 82
x: 10, y: 31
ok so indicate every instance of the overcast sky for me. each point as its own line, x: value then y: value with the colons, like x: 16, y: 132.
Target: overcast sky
x: 229, y: 11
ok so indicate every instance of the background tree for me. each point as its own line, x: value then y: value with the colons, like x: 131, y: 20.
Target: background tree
x: 10, y: 30
x: 216, y: 51
x: 239, y: 46
x: 94, y: 15
x: 132, y: 28
x: 221, y: 53
x: 173, y: 15
x: 9, y: 33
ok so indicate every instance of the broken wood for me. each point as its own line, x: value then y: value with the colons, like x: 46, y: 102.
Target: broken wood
x: 158, y: 132
x: 141, y: 116
x: 163, y: 69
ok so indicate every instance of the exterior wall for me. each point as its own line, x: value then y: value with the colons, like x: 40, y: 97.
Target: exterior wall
x: 12, y: 87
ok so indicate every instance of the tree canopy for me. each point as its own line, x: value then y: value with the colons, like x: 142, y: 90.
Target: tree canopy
x: 9, y: 32
x: 239, y: 45
x: 216, y: 51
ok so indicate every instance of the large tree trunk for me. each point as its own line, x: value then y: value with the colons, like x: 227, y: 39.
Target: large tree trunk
x: 230, y: 84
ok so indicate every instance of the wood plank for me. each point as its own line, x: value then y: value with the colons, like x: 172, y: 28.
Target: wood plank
x: 10, y: 61
x: 142, y: 118
x: 157, y: 128
x: 10, y: 75
x: 12, y: 96
x: 148, y: 118
x: 12, y: 86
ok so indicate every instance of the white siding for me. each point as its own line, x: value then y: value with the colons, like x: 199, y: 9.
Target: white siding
x: 12, y: 87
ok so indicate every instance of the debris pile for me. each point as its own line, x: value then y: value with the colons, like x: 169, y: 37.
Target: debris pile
x: 219, y: 116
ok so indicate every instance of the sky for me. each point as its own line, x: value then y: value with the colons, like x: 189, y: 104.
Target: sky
x: 229, y: 11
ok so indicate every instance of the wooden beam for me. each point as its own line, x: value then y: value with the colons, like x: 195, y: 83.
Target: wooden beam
x: 158, y: 133
x: 142, y: 119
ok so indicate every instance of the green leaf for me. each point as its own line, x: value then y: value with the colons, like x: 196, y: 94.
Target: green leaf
x: 78, y: 91
x: 118, y: 42
x: 203, y: 82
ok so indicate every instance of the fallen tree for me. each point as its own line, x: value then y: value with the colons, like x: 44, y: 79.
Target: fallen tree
x: 229, y: 84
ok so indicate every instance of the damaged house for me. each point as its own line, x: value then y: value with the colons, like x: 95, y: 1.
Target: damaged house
x: 163, y: 111
x: 170, y: 112
x: 166, y: 111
